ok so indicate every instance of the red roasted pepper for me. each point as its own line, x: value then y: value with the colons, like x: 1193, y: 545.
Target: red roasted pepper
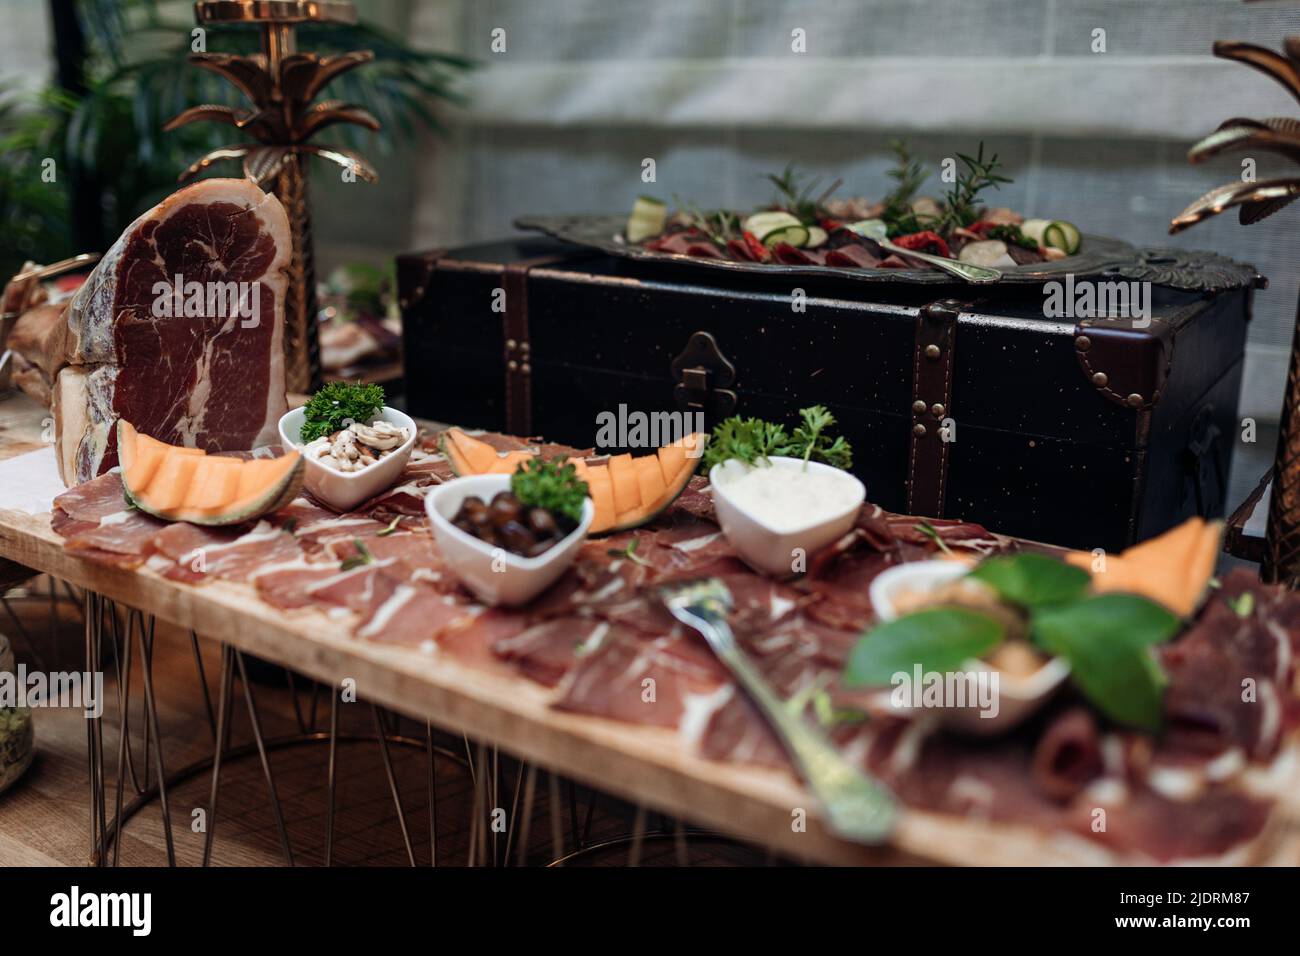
x: 925, y: 241
x: 759, y: 251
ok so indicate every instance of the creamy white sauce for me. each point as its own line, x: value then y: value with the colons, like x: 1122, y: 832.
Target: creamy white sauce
x: 789, y: 499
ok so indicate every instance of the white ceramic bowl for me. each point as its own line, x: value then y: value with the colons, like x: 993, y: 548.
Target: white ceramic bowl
x: 343, y: 491
x: 495, y: 575
x: 1018, y: 695
x: 769, y: 550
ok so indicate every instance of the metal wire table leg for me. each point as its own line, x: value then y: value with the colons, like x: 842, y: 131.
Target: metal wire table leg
x: 330, y: 777
x: 256, y: 722
x: 151, y: 710
x: 392, y: 783
x: 223, y: 734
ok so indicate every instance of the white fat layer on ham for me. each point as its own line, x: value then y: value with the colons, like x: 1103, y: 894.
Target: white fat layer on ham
x: 694, y: 544
x: 1188, y: 782
x: 908, y: 749
x: 117, y: 517
x: 698, y: 710
x: 973, y: 795
x: 1107, y: 791
x: 1279, y: 634
x: 388, y: 610
x: 1270, y: 724
x: 350, y: 573
x: 780, y: 605
x: 594, y: 640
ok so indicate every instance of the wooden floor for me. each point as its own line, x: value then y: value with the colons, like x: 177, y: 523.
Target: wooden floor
x: 45, y: 817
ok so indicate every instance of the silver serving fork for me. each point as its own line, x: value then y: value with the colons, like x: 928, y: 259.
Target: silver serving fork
x: 976, y: 275
x: 858, y: 807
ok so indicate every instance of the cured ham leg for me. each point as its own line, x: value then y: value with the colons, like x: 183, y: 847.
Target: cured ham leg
x: 205, y: 372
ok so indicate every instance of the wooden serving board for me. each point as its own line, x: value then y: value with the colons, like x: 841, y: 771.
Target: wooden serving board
x: 646, y: 765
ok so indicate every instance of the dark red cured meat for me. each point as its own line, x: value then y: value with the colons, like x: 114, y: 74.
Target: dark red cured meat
x: 130, y: 537
x: 288, y: 588
x: 851, y: 256
x: 639, y: 680
x: 545, y: 652
x: 188, y: 380
x: 413, y: 616
x: 93, y: 499
x: 1068, y: 755
x: 231, y: 554
x: 470, y: 640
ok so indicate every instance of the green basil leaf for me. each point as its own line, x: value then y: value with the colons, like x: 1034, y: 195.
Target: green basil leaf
x: 1107, y: 640
x: 1032, y: 580
x: 939, y: 639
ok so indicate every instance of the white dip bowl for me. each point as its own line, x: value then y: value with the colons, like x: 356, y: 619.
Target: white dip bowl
x: 495, y: 575
x: 1019, y: 695
x: 767, y: 538
x: 343, y: 491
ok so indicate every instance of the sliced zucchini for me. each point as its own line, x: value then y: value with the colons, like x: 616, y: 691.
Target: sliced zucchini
x: 796, y: 235
x: 1062, y: 235
x: 762, y: 224
x: 816, y: 236
x: 647, y: 220
x: 1034, y: 228
x: 987, y: 252
x: 869, y: 228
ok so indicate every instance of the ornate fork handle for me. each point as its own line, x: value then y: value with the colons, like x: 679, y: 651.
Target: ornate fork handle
x: 976, y: 275
x: 857, y: 807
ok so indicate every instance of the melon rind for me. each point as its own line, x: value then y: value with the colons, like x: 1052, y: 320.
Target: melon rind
x: 276, y: 496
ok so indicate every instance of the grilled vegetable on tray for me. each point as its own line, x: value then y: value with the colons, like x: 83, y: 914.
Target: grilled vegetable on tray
x: 803, y: 227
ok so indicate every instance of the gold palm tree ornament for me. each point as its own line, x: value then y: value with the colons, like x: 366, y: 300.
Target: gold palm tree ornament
x: 1255, y: 201
x: 281, y: 85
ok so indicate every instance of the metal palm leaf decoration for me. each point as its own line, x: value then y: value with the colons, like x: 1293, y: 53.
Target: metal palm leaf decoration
x: 1255, y: 201
x: 281, y: 85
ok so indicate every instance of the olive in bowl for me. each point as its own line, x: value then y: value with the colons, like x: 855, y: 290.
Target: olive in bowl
x: 485, y: 564
x: 506, y: 522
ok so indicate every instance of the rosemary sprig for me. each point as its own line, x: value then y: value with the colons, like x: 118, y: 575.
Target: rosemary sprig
x: 362, y: 557
x: 797, y: 197
x: 908, y: 174
x: 931, y: 532
x: 959, y: 208
x: 629, y: 552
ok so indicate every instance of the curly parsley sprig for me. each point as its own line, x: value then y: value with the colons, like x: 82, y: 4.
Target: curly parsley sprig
x: 339, y: 404
x: 753, y: 440
x: 553, y: 486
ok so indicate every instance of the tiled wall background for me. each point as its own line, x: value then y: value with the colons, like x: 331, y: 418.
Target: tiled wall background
x: 586, y: 89
x: 710, y: 89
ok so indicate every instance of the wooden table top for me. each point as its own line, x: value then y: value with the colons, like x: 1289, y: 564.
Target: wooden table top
x: 647, y: 765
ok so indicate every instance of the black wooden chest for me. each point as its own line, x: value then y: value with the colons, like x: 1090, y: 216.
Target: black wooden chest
x: 960, y: 401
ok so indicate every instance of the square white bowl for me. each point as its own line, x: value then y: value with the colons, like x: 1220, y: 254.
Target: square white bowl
x: 343, y: 491
x: 495, y: 575
x: 772, y: 551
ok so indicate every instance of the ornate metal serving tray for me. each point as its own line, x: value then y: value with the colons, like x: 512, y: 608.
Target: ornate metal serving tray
x: 1100, y: 257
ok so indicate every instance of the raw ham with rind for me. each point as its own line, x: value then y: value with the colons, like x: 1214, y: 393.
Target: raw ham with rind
x: 185, y: 380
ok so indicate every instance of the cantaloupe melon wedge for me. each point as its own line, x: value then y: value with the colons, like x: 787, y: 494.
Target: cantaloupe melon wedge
x: 1173, y: 569
x: 187, y: 484
x: 626, y: 491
